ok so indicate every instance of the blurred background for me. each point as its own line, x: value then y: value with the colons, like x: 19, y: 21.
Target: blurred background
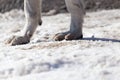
x: 59, y: 5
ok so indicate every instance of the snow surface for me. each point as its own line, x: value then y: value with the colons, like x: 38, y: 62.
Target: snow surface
x: 96, y: 57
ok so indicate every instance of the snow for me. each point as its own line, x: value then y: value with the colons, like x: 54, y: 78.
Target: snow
x: 96, y: 57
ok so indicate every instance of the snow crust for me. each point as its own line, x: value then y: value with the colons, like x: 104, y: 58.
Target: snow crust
x: 96, y: 57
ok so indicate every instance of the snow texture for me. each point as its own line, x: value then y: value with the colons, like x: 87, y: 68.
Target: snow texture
x: 96, y: 57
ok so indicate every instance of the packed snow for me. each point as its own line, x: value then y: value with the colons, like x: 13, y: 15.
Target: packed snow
x: 95, y: 57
